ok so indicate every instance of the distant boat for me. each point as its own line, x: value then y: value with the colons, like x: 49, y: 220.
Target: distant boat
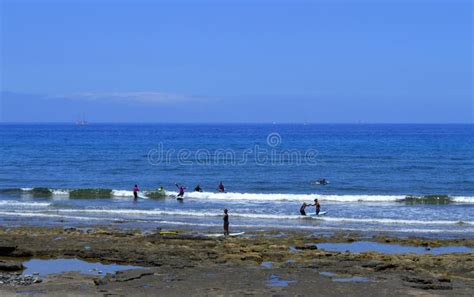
x: 82, y: 122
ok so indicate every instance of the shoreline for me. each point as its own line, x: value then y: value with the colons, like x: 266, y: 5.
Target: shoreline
x: 203, y: 264
x: 200, y: 228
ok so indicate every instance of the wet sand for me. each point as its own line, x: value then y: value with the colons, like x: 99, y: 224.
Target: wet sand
x: 262, y: 263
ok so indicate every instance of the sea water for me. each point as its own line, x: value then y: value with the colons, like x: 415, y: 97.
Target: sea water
x: 407, y: 179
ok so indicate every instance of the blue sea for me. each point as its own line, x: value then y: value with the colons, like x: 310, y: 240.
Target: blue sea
x: 410, y: 180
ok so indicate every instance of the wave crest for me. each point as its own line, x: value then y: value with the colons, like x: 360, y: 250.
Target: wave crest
x: 256, y: 197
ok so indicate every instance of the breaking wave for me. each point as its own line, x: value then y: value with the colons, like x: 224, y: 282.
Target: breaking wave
x: 117, y: 193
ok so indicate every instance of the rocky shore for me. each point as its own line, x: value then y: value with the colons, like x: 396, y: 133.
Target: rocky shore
x: 260, y: 263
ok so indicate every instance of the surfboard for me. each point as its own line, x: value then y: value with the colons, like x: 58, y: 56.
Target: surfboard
x: 222, y: 234
x: 179, y: 198
x: 168, y: 232
x: 313, y: 214
x: 320, y: 183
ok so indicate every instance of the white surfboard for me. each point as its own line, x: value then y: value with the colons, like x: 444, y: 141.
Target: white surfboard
x: 313, y: 214
x: 222, y: 234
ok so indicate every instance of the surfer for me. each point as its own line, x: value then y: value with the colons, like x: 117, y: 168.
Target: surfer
x: 226, y: 223
x: 322, y: 182
x: 198, y: 188
x: 318, y: 206
x: 181, y: 189
x: 302, y: 208
x: 221, y: 187
x: 135, y: 192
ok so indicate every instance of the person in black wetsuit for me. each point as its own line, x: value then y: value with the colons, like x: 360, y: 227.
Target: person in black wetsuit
x: 221, y: 187
x: 226, y: 223
x: 198, y: 188
x: 302, y: 209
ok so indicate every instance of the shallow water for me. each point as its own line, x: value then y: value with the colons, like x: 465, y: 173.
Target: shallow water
x: 327, y: 273
x: 351, y: 279
x: 336, y: 278
x: 276, y: 281
x: 267, y: 264
x: 389, y: 248
x: 54, y: 266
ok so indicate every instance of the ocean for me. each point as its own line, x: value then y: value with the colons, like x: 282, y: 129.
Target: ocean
x: 411, y: 180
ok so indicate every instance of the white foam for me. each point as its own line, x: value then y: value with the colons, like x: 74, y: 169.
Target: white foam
x: 122, y: 193
x: 158, y: 212
x: 289, y: 197
x: 304, y: 197
x: 233, y: 226
x: 60, y: 192
x: 395, y: 221
x: 463, y: 199
x: 24, y: 204
x: 48, y: 215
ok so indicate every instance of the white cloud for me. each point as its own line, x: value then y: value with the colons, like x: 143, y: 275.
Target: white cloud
x: 142, y: 97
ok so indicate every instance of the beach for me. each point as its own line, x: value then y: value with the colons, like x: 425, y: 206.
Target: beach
x: 174, y: 263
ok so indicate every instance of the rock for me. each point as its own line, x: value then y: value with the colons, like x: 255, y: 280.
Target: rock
x: 306, y: 247
x: 129, y: 275
x: 251, y: 257
x: 10, y: 266
x: 291, y: 265
x: 434, y: 287
x: 373, y: 263
x: 6, y: 250
x: 428, y: 283
x: 386, y: 266
x: 16, y: 279
x: 274, y: 256
x: 444, y: 280
x: 417, y: 279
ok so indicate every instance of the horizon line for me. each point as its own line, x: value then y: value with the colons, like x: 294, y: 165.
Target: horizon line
x: 242, y: 123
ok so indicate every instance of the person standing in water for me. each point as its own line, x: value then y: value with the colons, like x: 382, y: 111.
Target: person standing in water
x: 317, y: 205
x: 198, y: 188
x: 226, y: 222
x: 221, y: 187
x: 302, y: 208
x: 135, y: 192
x: 181, y: 189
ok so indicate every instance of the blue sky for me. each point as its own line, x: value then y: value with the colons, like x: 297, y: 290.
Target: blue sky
x: 243, y: 61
